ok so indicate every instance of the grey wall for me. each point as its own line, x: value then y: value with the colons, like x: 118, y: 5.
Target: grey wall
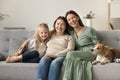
x: 29, y: 13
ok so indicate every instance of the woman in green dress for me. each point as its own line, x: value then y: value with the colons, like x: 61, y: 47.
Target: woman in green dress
x: 77, y: 64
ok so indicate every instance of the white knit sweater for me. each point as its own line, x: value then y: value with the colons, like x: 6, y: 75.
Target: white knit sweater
x: 60, y: 45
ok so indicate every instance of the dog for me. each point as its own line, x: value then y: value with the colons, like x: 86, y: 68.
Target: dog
x: 104, y: 54
x: 116, y: 53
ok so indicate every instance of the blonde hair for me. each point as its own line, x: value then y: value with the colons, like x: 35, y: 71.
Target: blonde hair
x: 37, y: 37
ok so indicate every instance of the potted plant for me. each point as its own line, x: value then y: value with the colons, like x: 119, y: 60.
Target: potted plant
x: 89, y: 18
x: 2, y: 16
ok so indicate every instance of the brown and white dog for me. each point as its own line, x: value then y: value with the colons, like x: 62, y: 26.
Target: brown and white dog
x: 105, y: 54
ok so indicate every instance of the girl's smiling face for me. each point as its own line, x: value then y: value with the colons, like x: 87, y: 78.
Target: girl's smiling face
x: 43, y: 33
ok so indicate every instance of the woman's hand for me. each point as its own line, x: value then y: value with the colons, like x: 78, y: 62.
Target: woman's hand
x: 53, y: 55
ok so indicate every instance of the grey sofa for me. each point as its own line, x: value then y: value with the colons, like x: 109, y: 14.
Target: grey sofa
x: 28, y: 71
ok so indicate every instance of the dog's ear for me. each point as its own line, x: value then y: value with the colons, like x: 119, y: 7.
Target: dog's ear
x: 98, y: 43
x: 106, y: 50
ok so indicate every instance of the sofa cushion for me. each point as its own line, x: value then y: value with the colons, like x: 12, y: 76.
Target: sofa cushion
x: 14, y: 45
x: 110, y: 71
x: 18, y: 71
x: 4, y: 42
x: 110, y: 38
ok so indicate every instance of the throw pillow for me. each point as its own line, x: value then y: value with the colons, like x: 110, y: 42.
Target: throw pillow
x: 14, y: 45
x: 1, y: 57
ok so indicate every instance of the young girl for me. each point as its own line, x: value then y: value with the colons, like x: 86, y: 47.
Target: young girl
x: 32, y: 49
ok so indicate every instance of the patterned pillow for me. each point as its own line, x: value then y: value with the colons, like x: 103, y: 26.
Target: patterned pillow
x: 14, y: 45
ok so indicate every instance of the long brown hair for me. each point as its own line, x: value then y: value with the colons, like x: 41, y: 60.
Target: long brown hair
x: 65, y: 20
x: 74, y: 13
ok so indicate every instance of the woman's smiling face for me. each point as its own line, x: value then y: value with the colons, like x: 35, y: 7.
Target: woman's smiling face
x: 72, y: 20
x: 60, y: 26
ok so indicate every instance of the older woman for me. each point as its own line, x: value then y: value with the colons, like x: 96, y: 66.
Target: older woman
x: 57, y: 47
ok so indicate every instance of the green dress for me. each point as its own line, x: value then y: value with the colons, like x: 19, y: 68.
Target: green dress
x: 77, y: 64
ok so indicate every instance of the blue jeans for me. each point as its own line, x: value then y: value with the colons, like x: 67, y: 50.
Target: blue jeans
x: 30, y: 56
x: 49, y: 68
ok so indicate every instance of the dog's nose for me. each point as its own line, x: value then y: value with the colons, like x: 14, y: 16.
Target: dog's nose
x: 92, y: 50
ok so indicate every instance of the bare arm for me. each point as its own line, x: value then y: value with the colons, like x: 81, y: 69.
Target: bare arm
x: 22, y: 48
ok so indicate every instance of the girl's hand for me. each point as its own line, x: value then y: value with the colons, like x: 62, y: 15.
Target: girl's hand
x: 16, y: 54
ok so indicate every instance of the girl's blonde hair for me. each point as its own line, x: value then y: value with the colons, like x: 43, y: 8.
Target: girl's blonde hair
x: 36, y: 34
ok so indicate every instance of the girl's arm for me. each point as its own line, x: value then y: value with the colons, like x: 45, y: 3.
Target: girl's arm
x: 22, y: 48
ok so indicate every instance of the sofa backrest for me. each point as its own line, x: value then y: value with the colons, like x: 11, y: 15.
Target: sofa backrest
x: 7, y: 35
x: 110, y: 38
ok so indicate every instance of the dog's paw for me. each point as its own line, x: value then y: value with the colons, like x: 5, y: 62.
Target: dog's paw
x: 95, y: 62
x: 103, y: 63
